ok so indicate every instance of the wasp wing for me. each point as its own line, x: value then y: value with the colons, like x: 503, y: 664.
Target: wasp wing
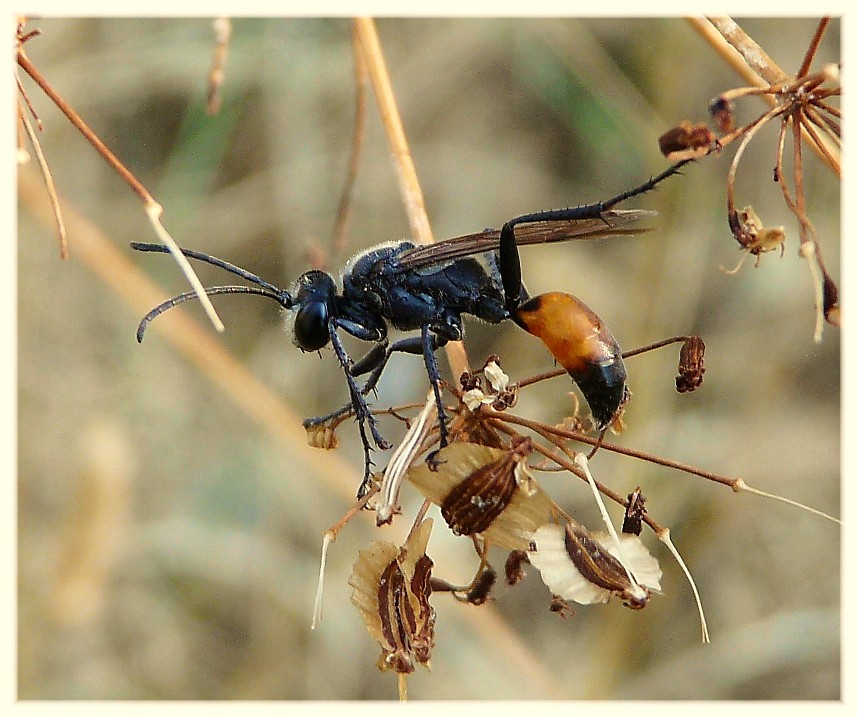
x: 610, y: 223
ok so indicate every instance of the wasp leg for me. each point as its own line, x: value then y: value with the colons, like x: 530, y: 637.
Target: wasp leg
x: 362, y: 412
x: 375, y: 361
x: 510, y: 267
x: 595, y: 210
x: 428, y: 340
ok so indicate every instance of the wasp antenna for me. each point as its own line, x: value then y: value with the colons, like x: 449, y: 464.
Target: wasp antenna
x: 283, y: 298
x: 208, y: 259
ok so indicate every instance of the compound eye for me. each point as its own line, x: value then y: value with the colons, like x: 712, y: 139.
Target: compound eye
x: 311, y: 333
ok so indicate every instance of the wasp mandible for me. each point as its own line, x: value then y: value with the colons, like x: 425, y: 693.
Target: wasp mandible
x: 428, y: 288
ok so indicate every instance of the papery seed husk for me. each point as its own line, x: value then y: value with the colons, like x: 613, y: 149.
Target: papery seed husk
x: 391, y: 590
x: 564, y: 578
x: 365, y: 578
x: 511, y: 528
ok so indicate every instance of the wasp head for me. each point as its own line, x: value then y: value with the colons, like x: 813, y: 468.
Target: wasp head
x: 314, y: 295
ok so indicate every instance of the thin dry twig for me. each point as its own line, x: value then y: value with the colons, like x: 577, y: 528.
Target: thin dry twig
x: 49, y: 182
x: 152, y: 209
x: 222, y: 34
x: 409, y: 185
x: 342, y: 211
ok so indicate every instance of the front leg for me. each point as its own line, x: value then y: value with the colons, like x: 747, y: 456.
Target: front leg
x: 362, y: 412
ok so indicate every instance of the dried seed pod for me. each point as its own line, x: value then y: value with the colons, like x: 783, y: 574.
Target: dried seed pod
x: 721, y: 110
x: 322, y: 436
x: 479, y: 593
x: 752, y: 235
x: 585, y: 567
x: 391, y: 590
x: 515, y: 563
x: 690, y: 365
x: 486, y: 491
x: 634, y: 513
x: 686, y: 141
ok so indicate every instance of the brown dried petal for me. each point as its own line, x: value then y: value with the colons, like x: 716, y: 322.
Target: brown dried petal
x: 831, y: 301
x: 690, y: 365
x: 686, y: 141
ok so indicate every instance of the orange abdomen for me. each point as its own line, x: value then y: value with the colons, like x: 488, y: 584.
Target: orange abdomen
x: 583, y: 345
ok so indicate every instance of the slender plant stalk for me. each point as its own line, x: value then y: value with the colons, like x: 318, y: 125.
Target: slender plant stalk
x: 409, y: 184
x: 152, y: 208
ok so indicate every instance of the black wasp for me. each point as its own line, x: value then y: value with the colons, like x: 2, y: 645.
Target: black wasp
x: 428, y: 288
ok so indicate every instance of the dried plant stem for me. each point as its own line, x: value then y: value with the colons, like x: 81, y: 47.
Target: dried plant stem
x: 222, y: 33
x: 360, y: 80
x: 755, y: 57
x: 728, y: 52
x: 409, y: 185
x: 813, y: 46
x: 49, y: 183
x: 152, y: 208
x: 664, y: 537
x: 554, y: 373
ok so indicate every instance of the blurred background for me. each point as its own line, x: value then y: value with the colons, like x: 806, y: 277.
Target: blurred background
x: 169, y: 539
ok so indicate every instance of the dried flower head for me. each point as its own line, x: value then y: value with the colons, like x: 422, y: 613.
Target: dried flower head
x: 589, y: 567
x: 753, y: 236
x: 392, y: 589
x: 722, y: 111
x: 322, y: 435
x: 634, y: 512
x: 499, y: 394
x: 690, y: 365
x: 687, y: 141
x: 486, y: 491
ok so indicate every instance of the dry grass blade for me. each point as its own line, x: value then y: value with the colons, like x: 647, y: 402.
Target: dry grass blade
x: 49, y: 182
x: 409, y: 185
x: 222, y: 33
x: 152, y: 208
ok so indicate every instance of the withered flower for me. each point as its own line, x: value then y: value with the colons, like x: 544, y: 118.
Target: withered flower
x: 589, y: 567
x: 686, y: 141
x: 634, y: 513
x: 515, y: 562
x: 753, y: 236
x: 690, y: 365
x: 392, y: 589
x: 499, y: 395
x: 722, y: 111
x: 322, y: 436
x: 486, y: 491
x: 477, y: 593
